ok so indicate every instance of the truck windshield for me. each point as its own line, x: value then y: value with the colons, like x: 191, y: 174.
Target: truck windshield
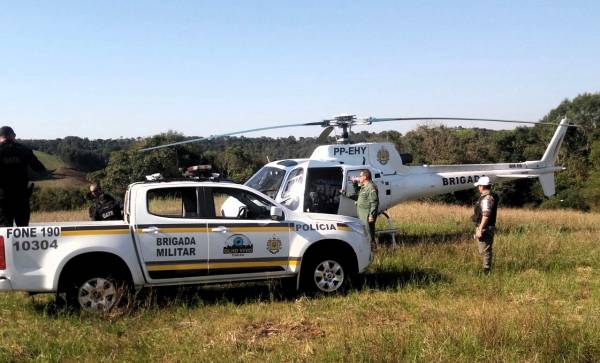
x: 267, y: 180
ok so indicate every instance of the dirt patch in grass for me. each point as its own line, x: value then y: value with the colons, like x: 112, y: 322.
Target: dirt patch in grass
x: 300, y: 330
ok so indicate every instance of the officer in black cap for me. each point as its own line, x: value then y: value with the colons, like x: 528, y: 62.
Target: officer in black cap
x: 14, y: 179
x: 104, y: 206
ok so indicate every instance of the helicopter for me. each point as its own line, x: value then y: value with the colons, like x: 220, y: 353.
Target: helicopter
x: 318, y: 184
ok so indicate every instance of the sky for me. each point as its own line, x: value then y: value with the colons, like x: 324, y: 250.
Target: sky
x: 109, y: 69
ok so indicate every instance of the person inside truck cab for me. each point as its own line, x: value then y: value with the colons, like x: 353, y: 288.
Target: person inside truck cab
x: 104, y: 207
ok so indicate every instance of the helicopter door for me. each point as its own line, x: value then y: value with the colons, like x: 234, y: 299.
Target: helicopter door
x: 322, y: 190
x: 347, y: 204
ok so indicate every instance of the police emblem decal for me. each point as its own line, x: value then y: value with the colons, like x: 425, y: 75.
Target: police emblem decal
x: 383, y: 156
x: 274, y: 244
x: 238, y: 244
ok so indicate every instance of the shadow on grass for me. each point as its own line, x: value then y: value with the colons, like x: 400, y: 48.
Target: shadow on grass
x: 399, y: 278
x: 435, y: 238
x: 251, y: 292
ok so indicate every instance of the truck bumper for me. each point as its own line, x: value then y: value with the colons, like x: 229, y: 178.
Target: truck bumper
x: 5, y: 284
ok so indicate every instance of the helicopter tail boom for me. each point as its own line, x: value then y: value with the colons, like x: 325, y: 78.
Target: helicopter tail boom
x: 545, y: 176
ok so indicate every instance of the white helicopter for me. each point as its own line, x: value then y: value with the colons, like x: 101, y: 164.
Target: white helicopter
x: 317, y: 184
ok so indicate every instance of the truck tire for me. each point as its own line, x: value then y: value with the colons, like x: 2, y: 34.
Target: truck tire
x: 326, y: 274
x: 97, y: 292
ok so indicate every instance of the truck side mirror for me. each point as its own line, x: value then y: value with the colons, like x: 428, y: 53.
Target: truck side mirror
x: 277, y: 213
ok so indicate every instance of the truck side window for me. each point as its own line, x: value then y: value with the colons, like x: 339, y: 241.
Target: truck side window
x: 239, y: 204
x: 173, y: 202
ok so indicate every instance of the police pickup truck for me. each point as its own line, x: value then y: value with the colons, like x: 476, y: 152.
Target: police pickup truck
x: 177, y: 232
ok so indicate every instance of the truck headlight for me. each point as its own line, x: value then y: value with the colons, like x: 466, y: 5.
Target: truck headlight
x: 357, y: 227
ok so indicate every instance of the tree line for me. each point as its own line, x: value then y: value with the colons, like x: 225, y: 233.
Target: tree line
x: 117, y: 163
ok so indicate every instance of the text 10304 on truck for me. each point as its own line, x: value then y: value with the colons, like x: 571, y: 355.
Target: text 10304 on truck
x: 182, y: 232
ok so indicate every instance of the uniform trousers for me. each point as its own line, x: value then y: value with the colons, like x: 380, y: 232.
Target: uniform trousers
x: 484, y: 245
x: 14, y: 210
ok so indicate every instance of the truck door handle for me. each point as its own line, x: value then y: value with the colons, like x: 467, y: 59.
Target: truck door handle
x: 152, y: 229
x: 221, y: 229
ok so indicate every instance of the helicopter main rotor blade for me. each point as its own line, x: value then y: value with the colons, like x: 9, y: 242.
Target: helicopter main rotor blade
x: 380, y: 119
x: 329, y: 124
x: 172, y: 144
x: 324, y: 134
x: 319, y: 123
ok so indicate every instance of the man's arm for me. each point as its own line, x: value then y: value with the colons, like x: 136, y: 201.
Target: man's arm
x: 355, y: 189
x: 92, y: 212
x: 373, y: 204
x: 484, y: 222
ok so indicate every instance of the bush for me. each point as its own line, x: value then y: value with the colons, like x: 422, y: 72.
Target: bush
x: 53, y: 199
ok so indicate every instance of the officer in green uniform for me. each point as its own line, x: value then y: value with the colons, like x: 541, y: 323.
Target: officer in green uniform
x: 485, y: 221
x: 367, y: 201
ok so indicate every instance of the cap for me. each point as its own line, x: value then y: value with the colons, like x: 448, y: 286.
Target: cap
x: 484, y: 180
x: 6, y: 131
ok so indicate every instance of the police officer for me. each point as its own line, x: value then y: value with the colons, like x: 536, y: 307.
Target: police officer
x: 15, y: 159
x: 367, y: 201
x: 104, y: 207
x: 485, y: 221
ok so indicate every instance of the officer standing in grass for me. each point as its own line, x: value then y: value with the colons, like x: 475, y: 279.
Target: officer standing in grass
x: 485, y: 221
x: 15, y: 160
x: 367, y: 202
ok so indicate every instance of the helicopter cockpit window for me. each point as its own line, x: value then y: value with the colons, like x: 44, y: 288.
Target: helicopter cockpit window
x: 267, y: 180
x: 239, y: 204
x: 323, y: 190
x: 292, y: 191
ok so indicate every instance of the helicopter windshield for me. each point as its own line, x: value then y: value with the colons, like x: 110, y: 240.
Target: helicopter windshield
x: 267, y: 180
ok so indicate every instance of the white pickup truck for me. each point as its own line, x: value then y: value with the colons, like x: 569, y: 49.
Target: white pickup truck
x: 176, y: 233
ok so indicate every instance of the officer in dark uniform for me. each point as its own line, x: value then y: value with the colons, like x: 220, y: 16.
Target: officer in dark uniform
x: 104, y: 207
x: 485, y: 221
x: 367, y: 202
x: 15, y: 159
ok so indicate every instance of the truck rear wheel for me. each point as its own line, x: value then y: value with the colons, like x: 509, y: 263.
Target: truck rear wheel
x: 325, y: 274
x: 97, y: 292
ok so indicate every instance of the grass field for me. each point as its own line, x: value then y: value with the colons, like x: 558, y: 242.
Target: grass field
x: 424, y: 300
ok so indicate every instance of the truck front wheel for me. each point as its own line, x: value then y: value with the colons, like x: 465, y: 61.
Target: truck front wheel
x: 324, y: 275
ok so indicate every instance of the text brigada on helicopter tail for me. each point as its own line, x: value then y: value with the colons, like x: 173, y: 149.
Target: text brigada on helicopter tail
x: 350, y: 150
x: 460, y: 180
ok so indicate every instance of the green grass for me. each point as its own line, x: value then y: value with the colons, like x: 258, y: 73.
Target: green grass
x: 425, y: 300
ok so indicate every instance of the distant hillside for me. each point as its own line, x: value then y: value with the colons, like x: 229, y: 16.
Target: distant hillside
x: 80, y: 153
x: 62, y: 175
